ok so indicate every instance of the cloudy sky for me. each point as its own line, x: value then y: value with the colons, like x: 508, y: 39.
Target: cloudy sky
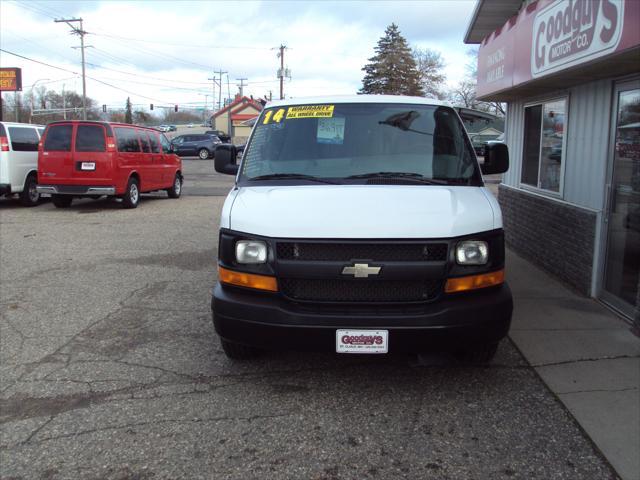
x: 163, y: 52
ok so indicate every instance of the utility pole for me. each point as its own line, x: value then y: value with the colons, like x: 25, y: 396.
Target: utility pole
x: 64, y: 104
x: 213, y: 89
x: 281, y: 72
x: 81, y: 33
x: 220, y: 72
x: 242, y: 85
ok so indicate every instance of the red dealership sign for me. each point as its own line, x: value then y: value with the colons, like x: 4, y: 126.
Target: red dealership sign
x: 549, y: 36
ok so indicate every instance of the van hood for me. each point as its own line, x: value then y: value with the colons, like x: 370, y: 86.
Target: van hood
x: 363, y: 211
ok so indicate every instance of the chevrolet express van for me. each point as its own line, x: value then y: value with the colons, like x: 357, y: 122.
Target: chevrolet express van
x: 91, y: 159
x: 361, y: 224
x: 19, y: 161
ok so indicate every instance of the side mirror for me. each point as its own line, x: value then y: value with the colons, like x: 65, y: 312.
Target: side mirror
x: 496, y: 159
x: 172, y: 147
x: 225, y: 159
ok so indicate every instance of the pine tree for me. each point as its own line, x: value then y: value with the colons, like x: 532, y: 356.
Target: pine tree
x: 128, y: 115
x: 392, y: 70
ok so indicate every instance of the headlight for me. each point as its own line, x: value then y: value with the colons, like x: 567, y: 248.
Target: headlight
x: 472, y: 252
x: 251, y: 251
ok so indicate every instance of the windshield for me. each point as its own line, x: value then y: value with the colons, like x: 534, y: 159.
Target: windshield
x: 354, y: 143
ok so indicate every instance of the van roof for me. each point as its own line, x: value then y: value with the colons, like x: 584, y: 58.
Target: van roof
x: 99, y: 122
x: 357, y: 99
x: 18, y: 124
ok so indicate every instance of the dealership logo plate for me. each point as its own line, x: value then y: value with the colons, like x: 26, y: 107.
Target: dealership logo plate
x: 362, y: 341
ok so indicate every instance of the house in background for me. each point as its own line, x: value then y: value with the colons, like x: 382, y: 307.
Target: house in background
x: 481, y: 132
x: 231, y: 118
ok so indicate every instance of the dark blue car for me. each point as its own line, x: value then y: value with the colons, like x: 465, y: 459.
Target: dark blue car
x: 202, y: 146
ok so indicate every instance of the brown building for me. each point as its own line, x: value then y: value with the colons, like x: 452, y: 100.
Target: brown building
x: 231, y: 118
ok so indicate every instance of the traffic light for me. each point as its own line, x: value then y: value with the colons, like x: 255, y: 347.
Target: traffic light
x: 175, y: 109
x: 104, y: 109
x: 151, y: 107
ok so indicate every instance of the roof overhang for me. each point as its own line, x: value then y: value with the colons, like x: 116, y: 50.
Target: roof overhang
x: 489, y: 15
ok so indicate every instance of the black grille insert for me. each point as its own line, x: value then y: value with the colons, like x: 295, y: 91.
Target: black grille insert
x: 360, y: 290
x: 379, y: 252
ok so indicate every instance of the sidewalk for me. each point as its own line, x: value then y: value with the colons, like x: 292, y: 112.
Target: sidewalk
x: 586, y: 355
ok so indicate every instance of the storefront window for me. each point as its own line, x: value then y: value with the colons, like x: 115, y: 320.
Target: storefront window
x: 544, y: 127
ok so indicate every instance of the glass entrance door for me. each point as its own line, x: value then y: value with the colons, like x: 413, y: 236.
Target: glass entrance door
x: 621, y: 282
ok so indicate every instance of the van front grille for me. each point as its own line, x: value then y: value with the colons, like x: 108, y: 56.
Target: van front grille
x: 360, y: 290
x: 379, y: 252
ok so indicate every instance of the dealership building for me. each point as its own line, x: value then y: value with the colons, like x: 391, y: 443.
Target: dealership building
x: 569, y: 72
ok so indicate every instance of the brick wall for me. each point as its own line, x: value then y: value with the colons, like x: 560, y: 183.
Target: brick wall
x: 556, y: 236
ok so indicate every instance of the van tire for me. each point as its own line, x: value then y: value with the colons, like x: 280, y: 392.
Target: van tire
x: 237, y: 351
x: 480, y: 353
x: 203, y: 153
x: 29, y: 197
x: 176, y: 188
x: 61, y: 201
x: 131, y: 197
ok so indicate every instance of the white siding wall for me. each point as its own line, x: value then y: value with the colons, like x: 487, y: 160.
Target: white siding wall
x: 587, y: 127
x: 588, y: 144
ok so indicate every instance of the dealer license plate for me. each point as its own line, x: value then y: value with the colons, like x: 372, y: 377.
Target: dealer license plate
x: 362, y: 341
x: 88, y: 166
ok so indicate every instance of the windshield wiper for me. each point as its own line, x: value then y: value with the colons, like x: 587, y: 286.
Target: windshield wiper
x: 403, y: 121
x: 291, y: 176
x: 409, y: 176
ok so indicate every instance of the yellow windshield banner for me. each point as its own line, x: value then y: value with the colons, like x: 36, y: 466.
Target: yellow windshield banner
x: 311, y: 111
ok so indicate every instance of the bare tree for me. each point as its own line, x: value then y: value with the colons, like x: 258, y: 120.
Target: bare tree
x: 430, y: 64
x: 464, y: 94
x: 471, y: 67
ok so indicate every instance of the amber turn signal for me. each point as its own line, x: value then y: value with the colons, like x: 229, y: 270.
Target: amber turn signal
x: 249, y: 280
x: 473, y: 282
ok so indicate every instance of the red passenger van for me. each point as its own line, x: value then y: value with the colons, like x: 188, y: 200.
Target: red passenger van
x: 90, y: 159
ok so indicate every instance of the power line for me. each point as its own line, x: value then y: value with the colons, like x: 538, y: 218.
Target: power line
x: 162, y: 55
x: 107, y: 55
x: 238, y: 47
x: 90, y: 78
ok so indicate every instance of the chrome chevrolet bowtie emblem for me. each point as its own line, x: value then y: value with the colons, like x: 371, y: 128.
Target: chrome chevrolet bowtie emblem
x: 361, y: 270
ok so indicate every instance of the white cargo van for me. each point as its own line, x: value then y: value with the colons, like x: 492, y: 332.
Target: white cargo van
x: 19, y: 161
x: 361, y: 224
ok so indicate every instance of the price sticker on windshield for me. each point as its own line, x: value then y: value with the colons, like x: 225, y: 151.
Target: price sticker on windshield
x: 276, y: 117
x: 310, y: 111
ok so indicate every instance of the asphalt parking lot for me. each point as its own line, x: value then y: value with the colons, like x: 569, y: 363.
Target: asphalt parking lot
x: 110, y: 369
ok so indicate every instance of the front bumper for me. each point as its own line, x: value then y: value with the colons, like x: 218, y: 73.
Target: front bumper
x: 5, y: 188
x: 75, y: 190
x: 270, y: 322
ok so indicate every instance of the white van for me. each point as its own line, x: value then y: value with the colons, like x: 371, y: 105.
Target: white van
x: 19, y: 161
x: 361, y: 224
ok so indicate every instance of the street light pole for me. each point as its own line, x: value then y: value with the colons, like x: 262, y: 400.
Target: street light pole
x: 33, y: 85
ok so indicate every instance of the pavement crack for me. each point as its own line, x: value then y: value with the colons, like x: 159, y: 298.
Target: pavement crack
x: 185, y: 421
x: 607, y: 390
x: 578, y: 360
x: 38, y: 430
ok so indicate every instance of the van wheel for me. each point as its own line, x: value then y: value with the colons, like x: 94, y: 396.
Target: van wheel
x: 131, y: 196
x: 203, y: 153
x: 237, y: 351
x: 176, y: 188
x: 480, y: 353
x: 29, y: 197
x: 61, y: 201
